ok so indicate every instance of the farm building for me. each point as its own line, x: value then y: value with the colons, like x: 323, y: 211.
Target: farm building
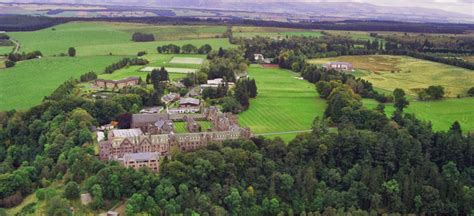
x: 339, y: 66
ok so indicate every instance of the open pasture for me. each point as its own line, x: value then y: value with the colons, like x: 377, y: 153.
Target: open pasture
x: 442, y: 114
x: 284, y: 103
x: 104, y: 38
x: 273, y: 32
x: 6, y: 49
x: 28, y: 82
x: 390, y: 72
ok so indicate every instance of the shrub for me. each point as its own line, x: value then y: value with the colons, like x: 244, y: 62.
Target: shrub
x: 142, y: 37
x: 71, y: 51
x: 72, y: 190
x: 9, y: 63
x: 471, y: 92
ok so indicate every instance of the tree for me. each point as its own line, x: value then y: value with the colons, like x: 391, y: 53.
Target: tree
x: 233, y: 201
x: 9, y: 63
x: 97, y: 197
x: 72, y: 190
x: 71, y: 51
x: 241, y: 95
x: 432, y: 92
x: 57, y: 207
x: 189, y: 49
x: 470, y: 92
x: 135, y: 204
x: 205, y: 49
x: 142, y: 37
x: 399, y: 98
x: 230, y: 104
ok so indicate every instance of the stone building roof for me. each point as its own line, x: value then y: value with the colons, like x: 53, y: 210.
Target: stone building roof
x: 143, y: 156
x: 127, y: 132
x: 189, y: 100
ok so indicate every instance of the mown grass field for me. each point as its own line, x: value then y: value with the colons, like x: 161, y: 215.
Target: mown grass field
x: 442, y: 114
x: 410, y: 74
x: 156, y: 60
x: 103, y: 38
x: 28, y: 82
x: 284, y: 103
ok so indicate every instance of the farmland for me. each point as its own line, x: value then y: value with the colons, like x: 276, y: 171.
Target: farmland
x: 96, y: 38
x: 284, y: 103
x: 98, y: 44
x: 28, y: 82
x: 248, y: 32
x: 410, y: 74
x: 440, y: 113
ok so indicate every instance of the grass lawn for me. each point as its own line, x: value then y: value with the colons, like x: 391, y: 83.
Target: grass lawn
x: 102, y: 38
x: 135, y: 71
x: 180, y: 127
x: 390, y: 72
x: 441, y: 113
x: 28, y: 82
x: 284, y: 103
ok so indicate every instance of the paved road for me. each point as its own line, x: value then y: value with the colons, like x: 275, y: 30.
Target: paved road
x: 17, y: 46
x: 280, y: 133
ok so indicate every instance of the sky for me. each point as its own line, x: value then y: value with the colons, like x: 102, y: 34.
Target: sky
x: 460, y: 6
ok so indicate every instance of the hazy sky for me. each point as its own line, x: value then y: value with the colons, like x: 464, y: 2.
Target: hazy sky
x: 460, y: 6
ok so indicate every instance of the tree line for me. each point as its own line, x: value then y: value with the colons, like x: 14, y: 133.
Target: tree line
x: 124, y: 63
x: 186, y: 49
x: 142, y: 37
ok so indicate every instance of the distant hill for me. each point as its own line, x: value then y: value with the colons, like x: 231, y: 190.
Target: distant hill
x: 315, y: 10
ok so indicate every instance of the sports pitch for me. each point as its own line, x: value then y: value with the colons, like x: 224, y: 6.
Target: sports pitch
x: 170, y: 70
x: 186, y: 60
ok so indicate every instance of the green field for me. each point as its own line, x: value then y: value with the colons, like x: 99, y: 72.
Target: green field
x: 98, y: 44
x: 6, y: 49
x: 273, y: 32
x: 28, y: 82
x: 284, y: 103
x: 98, y: 38
x: 442, y: 113
x: 156, y: 60
x: 410, y: 74
x: 180, y: 127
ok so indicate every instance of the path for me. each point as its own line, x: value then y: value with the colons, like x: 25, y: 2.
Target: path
x: 280, y: 133
x: 17, y: 46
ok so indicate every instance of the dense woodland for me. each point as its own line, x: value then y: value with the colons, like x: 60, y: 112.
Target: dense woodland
x: 371, y: 164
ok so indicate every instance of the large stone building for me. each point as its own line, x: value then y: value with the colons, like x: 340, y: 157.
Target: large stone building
x: 154, y: 133
x: 143, y: 159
